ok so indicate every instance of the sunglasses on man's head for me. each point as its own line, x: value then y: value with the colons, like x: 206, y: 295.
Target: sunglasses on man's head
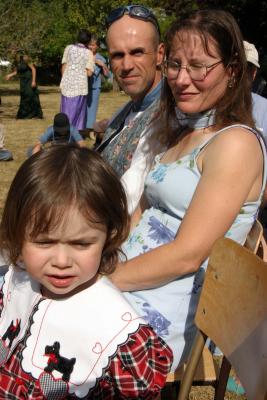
x: 134, y: 11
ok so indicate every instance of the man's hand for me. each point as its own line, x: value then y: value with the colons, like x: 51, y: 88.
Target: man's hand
x: 101, y: 126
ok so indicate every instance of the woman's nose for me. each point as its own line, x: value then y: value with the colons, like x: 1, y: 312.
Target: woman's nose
x: 183, y: 76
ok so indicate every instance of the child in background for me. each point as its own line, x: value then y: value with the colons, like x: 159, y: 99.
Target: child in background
x: 65, y: 330
x: 5, y: 155
x: 60, y: 132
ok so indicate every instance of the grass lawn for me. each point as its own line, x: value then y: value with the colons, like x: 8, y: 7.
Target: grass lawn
x: 20, y: 134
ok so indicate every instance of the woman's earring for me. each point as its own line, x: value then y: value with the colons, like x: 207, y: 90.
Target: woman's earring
x: 231, y: 82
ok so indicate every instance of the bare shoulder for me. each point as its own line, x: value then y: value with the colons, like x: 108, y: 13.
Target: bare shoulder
x: 236, y: 141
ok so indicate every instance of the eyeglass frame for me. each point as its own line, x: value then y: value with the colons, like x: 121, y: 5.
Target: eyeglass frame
x: 127, y: 10
x: 212, y: 66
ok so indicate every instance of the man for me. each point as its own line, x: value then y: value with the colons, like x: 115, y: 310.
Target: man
x: 136, y: 54
x: 259, y: 110
x: 60, y: 132
x: 259, y: 103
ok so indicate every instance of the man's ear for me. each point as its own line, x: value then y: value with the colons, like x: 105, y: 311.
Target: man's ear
x: 160, y: 54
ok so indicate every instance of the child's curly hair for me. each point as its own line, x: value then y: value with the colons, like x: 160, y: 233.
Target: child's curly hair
x: 48, y: 184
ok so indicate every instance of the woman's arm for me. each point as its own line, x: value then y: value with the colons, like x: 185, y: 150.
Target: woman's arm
x: 63, y: 67
x: 89, y: 72
x: 231, y: 175
x: 32, y: 67
x: 64, y: 59
x: 90, y: 65
x: 103, y: 66
x: 9, y: 76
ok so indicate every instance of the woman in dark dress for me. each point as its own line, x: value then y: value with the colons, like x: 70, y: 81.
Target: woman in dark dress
x: 29, y: 106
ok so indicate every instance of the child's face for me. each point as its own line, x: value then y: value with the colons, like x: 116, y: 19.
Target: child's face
x: 66, y: 260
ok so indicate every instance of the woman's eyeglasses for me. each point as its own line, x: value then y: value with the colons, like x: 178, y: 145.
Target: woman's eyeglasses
x: 197, y: 72
x: 134, y: 11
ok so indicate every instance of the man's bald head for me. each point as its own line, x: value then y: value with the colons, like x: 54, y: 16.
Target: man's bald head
x: 135, y: 55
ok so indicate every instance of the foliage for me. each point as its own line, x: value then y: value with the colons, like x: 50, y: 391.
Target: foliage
x: 43, y: 28
x: 22, y: 27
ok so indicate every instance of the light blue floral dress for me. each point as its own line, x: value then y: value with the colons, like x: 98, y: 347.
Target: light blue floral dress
x: 169, y: 188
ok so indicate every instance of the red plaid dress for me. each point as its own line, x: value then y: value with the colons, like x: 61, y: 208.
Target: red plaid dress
x: 137, y: 370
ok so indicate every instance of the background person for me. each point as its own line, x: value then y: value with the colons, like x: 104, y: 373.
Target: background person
x: 135, y: 54
x: 94, y: 82
x: 5, y: 155
x: 60, y: 132
x: 201, y: 188
x: 62, y: 227
x: 77, y: 65
x: 259, y: 103
x: 29, y: 106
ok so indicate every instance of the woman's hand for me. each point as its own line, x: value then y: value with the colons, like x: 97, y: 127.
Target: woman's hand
x: 99, y: 63
x: 9, y: 76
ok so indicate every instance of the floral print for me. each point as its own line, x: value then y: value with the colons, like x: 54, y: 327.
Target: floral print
x: 120, y: 150
x: 158, y: 322
x: 159, y: 173
x: 74, y: 81
x: 158, y: 232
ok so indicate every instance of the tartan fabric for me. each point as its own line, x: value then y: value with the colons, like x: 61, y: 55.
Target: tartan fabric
x: 138, y: 370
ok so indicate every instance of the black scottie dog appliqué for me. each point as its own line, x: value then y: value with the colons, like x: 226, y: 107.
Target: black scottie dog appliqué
x: 57, y: 362
x: 10, y: 334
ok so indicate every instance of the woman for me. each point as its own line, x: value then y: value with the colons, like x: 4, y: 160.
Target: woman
x: 77, y: 65
x: 208, y: 183
x: 29, y: 106
x: 94, y: 82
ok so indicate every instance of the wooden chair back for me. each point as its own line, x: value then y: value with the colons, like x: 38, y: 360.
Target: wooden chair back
x: 232, y: 311
x: 199, y: 358
x: 254, y: 237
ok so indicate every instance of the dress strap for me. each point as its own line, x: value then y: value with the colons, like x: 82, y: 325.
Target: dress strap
x: 255, y: 132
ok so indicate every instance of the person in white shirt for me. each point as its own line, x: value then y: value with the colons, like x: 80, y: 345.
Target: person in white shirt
x: 259, y: 103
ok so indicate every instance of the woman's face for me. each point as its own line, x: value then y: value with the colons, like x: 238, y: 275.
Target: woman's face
x: 93, y: 46
x: 192, y: 96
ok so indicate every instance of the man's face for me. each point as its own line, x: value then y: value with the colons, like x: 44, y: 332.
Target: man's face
x: 134, y: 55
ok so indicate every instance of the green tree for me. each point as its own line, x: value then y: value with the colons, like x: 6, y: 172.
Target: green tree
x: 22, y: 26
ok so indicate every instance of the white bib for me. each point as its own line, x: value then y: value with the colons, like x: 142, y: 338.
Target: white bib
x: 85, y: 329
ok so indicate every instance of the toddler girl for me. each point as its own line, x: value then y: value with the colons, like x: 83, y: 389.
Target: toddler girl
x: 65, y: 330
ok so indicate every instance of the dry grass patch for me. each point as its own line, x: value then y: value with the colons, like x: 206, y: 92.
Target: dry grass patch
x: 20, y: 134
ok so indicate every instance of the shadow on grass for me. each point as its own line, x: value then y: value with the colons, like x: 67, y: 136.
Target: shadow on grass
x: 15, y: 91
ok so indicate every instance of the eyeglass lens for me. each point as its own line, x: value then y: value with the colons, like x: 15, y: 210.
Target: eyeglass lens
x: 196, y: 72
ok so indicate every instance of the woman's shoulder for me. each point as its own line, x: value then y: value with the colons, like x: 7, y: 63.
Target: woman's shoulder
x: 236, y: 141
x: 238, y: 136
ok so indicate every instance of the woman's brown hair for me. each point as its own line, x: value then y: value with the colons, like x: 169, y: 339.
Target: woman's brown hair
x: 48, y: 184
x: 235, y: 106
